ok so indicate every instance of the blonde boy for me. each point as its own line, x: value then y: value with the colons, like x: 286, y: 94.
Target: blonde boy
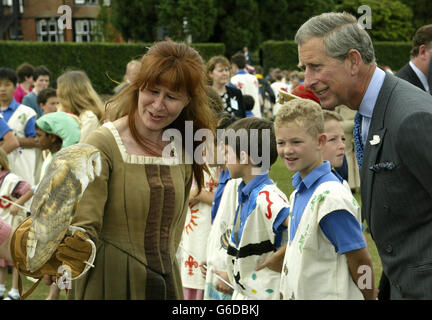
x: 326, y: 256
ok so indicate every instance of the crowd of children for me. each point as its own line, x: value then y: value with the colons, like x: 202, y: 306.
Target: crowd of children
x: 36, y: 122
x: 243, y: 237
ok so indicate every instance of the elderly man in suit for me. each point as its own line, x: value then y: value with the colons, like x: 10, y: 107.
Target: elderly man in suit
x: 392, y: 132
x: 416, y: 70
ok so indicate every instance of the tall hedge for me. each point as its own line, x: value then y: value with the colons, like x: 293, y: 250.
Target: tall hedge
x: 283, y: 54
x: 101, y: 61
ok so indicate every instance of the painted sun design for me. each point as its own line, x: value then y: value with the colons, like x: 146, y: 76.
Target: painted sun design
x: 190, y: 225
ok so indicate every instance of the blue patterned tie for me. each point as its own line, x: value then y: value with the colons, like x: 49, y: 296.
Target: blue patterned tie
x: 358, y: 139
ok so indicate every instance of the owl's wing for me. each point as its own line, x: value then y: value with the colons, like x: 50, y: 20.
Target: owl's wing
x: 52, y: 209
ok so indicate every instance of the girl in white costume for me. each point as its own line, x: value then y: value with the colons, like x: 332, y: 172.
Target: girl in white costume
x: 12, y: 188
x: 193, y: 247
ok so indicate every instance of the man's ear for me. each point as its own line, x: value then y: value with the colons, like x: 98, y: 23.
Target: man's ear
x: 354, y: 59
x: 422, y: 51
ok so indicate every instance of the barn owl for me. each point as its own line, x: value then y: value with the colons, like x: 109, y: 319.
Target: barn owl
x: 56, y: 200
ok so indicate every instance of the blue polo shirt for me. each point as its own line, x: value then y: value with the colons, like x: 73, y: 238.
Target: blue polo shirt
x: 30, y: 128
x: 340, y: 227
x: 224, y: 177
x: 247, y: 195
x: 4, y: 128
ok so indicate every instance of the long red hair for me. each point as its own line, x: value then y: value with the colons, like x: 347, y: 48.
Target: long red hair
x: 178, y: 67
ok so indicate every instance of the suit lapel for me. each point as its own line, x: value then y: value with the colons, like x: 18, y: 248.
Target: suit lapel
x: 372, y: 151
x: 415, y: 79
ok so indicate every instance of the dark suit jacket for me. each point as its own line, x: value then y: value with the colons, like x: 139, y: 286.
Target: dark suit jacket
x: 407, y: 73
x: 397, y: 203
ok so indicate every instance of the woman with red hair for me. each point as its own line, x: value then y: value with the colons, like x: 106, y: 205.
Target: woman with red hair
x: 135, y: 210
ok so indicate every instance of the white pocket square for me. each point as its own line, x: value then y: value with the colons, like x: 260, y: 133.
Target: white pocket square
x: 375, y: 140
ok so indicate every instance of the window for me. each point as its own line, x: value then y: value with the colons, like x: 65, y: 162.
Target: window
x: 47, y: 30
x: 9, y: 3
x: 86, y: 30
x: 86, y: 1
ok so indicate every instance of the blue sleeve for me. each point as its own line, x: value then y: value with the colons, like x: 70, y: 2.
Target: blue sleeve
x: 343, y: 231
x: 30, y: 128
x: 278, y: 227
x: 277, y: 224
x: 4, y: 128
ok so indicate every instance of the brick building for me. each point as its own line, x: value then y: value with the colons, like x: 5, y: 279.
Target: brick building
x: 37, y: 20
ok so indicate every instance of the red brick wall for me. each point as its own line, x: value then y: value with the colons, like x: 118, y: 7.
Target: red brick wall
x: 36, y: 9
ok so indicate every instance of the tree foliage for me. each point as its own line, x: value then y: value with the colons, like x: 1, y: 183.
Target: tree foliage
x: 200, y: 17
x: 238, y: 23
x: 135, y: 19
x: 391, y: 19
x: 422, y: 12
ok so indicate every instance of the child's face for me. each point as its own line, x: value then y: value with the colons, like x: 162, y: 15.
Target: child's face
x: 334, y: 149
x: 233, y: 163
x: 299, y: 150
x: 7, y: 89
x: 50, y: 105
x: 41, y: 83
x: 43, y: 139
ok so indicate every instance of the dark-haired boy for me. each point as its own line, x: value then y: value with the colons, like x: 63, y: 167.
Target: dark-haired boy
x: 248, y: 102
x: 261, y: 214
x: 22, y: 120
x: 41, y: 76
x: 47, y: 100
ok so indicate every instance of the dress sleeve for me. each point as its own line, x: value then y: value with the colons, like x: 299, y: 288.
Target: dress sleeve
x: 90, y: 211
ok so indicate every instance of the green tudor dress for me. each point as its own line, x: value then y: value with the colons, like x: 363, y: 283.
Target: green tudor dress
x: 135, y: 212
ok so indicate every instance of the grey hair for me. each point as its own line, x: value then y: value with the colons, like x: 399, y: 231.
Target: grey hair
x: 340, y: 32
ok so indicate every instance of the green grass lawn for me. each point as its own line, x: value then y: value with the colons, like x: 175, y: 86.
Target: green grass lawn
x: 282, y: 177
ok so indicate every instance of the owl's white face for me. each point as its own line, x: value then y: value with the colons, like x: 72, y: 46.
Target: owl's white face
x: 88, y: 164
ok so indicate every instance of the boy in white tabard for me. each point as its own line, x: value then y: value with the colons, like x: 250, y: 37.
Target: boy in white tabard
x: 326, y: 256
x: 261, y: 215
x: 21, y: 119
x: 223, y: 206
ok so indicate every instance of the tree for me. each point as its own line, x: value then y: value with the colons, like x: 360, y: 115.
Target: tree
x: 391, y: 19
x: 273, y: 19
x: 104, y: 27
x: 200, y: 17
x: 422, y: 12
x: 237, y: 25
x: 135, y: 19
